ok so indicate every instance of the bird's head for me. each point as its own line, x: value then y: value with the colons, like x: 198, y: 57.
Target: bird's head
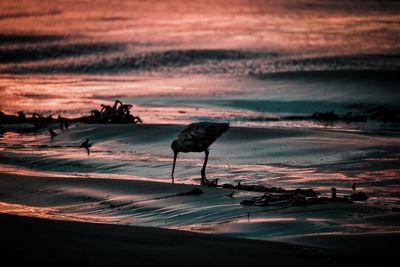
x: 175, y: 147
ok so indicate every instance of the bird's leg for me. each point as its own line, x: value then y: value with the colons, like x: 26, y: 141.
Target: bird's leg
x: 173, y: 167
x: 203, y: 170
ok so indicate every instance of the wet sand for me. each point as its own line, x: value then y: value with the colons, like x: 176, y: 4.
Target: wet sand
x: 51, y: 242
x: 149, y: 203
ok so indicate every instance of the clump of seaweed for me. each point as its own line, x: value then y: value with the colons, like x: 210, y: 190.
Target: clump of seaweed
x: 295, y: 197
x: 119, y: 113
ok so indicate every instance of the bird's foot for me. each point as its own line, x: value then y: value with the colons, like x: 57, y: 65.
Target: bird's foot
x: 211, y: 183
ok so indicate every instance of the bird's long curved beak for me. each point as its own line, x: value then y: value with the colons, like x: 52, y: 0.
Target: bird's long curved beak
x: 173, y: 166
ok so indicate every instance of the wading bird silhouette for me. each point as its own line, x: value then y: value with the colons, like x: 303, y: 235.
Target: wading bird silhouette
x: 198, y: 137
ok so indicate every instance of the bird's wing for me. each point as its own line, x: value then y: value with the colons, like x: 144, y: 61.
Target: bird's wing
x: 202, y: 133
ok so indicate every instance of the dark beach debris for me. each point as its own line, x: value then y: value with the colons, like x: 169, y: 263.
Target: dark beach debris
x: 21, y: 115
x: 2, y: 129
x: 52, y: 133
x: 228, y: 186
x: 333, y: 193
x: 193, y: 192
x: 297, y: 197
x: 277, y: 199
x: 381, y: 113
x: 210, y: 183
x: 384, y: 113
x: 329, y: 117
x: 63, y: 123
x: 278, y: 190
x: 86, y: 145
x: 35, y: 119
x: 26, y: 130
x: 325, y: 116
x: 291, y: 199
x: 248, y: 202
x: 359, y: 196
x: 231, y: 194
x: 298, y: 200
x: 343, y: 199
x: 119, y: 113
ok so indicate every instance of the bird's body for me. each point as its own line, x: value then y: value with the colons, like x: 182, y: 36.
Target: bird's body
x: 198, y: 137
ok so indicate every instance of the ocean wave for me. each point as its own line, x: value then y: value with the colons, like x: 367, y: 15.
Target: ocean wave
x: 149, y: 61
x: 28, y: 53
x: 191, y: 61
x: 343, y: 62
x: 364, y: 75
x: 18, y: 15
x: 25, y: 38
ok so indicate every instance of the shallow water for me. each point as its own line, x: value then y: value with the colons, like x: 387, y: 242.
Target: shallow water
x: 286, y: 157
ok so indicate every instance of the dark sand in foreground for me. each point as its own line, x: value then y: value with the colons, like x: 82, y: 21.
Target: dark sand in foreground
x: 50, y: 242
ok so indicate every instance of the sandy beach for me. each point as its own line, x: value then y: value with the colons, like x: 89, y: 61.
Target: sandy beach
x: 50, y: 242
x: 43, y: 241
x: 62, y: 239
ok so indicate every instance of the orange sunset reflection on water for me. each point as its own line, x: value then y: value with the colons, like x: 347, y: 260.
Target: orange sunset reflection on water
x: 205, y: 23
x: 99, y: 37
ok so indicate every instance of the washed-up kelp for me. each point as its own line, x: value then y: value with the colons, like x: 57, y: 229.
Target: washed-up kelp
x: 119, y: 113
